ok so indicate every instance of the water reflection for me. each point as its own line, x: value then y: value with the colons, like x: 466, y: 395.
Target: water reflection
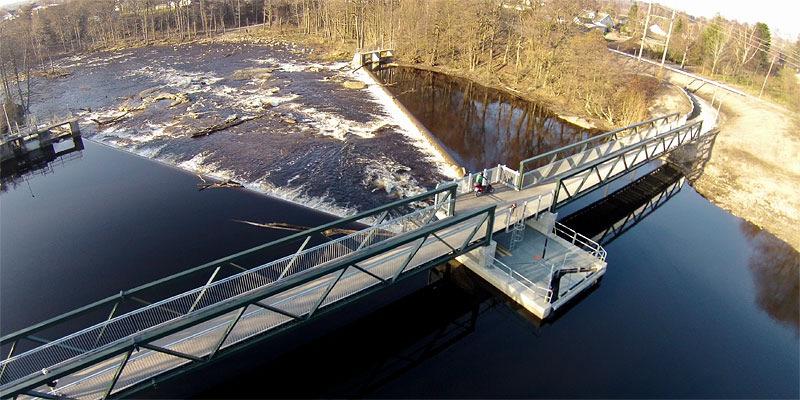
x: 611, y: 216
x: 776, y: 271
x: 41, y: 161
x: 480, y: 126
x: 691, y: 158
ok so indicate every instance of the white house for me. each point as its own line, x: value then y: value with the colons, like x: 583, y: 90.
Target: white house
x: 594, y: 20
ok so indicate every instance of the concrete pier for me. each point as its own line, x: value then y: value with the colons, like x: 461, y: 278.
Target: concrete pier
x: 21, y: 143
x: 539, y: 264
x: 372, y: 59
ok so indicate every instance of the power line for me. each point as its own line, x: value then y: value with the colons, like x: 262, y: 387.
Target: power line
x: 788, y: 57
x: 760, y: 44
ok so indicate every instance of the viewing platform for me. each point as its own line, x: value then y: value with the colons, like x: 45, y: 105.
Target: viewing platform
x: 372, y: 58
x: 539, y: 263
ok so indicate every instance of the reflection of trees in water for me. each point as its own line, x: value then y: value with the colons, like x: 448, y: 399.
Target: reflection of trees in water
x: 482, y: 126
x: 776, y: 270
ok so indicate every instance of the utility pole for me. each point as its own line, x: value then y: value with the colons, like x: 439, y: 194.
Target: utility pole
x: 8, y: 121
x: 644, y: 33
x: 763, y: 85
x: 666, y: 43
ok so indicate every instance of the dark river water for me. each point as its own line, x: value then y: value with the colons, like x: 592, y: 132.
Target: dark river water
x: 695, y: 302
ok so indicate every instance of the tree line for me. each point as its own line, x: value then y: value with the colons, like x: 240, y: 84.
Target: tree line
x: 530, y: 47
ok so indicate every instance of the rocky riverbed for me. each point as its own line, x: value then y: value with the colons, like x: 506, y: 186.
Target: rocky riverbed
x: 265, y: 115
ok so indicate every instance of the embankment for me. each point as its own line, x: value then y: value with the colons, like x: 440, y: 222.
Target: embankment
x: 754, y: 170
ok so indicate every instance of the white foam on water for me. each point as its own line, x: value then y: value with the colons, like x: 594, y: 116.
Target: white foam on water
x: 198, y: 164
x: 191, y: 82
x: 299, y: 195
x: 257, y: 102
x: 394, y: 178
x: 407, y: 127
x: 292, y: 67
x: 150, y: 151
x: 264, y: 61
x: 336, y: 126
x: 140, y: 136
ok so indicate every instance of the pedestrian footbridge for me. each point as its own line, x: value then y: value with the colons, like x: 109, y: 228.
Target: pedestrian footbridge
x: 125, y: 342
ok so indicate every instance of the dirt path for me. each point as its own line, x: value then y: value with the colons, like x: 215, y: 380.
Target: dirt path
x: 754, y: 170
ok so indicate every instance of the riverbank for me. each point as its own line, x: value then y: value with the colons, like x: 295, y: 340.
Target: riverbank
x: 754, y: 171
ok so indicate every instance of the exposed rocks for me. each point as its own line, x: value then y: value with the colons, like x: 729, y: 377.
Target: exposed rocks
x: 112, y: 119
x: 356, y: 85
x: 177, y: 98
x: 229, y: 122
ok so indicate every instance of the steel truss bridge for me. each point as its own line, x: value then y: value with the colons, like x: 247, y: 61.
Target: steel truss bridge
x: 120, y: 344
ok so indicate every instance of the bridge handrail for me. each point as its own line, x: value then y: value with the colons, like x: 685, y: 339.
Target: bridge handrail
x: 689, y: 127
x: 613, y: 135
x: 184, y: 304
x: 251, y: 292
x: 108, y: 301
x: 570, y: 154
x: 538, y: 291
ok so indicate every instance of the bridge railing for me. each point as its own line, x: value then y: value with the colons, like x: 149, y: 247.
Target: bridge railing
x: 382, y: 224
x: 500, y: 174
x: 123, y: 326
x: 582, y: 180
x: 195, y: 325
x: 547, y: 165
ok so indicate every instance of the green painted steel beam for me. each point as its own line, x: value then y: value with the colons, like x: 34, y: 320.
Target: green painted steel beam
x: 288, y: 283
x: 260, y: 338
x: 694, y: 129
x: 596, y: 138
x: 450, y: 187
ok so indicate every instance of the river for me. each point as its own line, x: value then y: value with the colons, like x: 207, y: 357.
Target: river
x: 695, y: 302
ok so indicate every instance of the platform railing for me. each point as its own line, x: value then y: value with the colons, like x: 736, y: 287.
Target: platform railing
x: 537, y: 291
x: 571, y: 280
x: 577, y: 239
x: 500, y: 174
x: 520, y: 210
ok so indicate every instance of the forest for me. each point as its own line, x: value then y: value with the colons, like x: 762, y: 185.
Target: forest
x: 531, y: 48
